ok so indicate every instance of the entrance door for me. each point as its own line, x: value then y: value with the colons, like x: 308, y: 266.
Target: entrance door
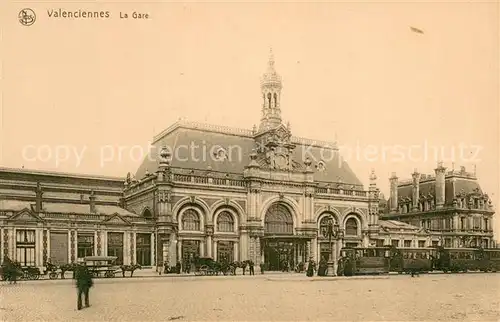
x: 278, y: 255
x: 190, y: 250
x: 225, y: 251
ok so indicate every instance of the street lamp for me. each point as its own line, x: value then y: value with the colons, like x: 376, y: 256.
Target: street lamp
x: 331, y: 231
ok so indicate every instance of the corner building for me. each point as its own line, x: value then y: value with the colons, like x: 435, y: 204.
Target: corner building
x: 449, y: 205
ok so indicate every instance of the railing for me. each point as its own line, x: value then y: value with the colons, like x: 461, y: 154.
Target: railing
x: 208, y: 180
x: 345, y: 192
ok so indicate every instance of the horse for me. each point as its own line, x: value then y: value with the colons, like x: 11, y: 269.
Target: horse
x: 68, y: 267
x: 130, y: 268
x: 10, y: 271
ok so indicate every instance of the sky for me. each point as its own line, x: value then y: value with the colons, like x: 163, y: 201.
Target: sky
x: 355, y: 71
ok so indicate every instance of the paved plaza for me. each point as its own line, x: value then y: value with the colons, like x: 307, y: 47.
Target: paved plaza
x: 286, y: 297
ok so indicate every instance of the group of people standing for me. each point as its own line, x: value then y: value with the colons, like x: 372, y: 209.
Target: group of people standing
x: 344, y: 267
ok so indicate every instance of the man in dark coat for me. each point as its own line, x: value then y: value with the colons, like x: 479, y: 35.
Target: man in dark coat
x: 83, y: 283
x: 250, y: 265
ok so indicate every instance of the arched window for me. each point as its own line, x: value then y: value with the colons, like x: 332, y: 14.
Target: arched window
x: 147, y: 213
x: 269, y: 97
x: 225, y: 222
x: 278, y: 220
x: 190, y: 220
x: 275, y: 100
x: 351, y: 227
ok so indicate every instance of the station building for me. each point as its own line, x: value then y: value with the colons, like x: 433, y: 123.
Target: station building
x: 257, y: 194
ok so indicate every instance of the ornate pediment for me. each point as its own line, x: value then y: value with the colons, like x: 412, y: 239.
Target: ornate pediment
x: 25, y: 215
x: 117, y: 220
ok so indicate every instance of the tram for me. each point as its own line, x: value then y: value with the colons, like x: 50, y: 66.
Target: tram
x: 407, y: 260
x: 365, y: 260
x: 382, y: 260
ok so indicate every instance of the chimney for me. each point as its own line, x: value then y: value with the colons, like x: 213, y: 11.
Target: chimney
x: 92, y: 202
x: 415, y: 190
x: 393, y: 207
x: 440, y: 185
x: 38, y: 200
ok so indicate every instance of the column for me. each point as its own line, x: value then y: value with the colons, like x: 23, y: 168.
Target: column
x: 173, y: 249
x: 1, y: 244
x: 215, y: 250
x: 258, y: 251
x: 235, y: 253
x: 12, y: 243
x: 153, y: 249
x: 99, y: 243
x: 126, y: 248
x: 73, y: 246
x: 165, y: 250
x: 104, y: 240
x: 251, y: 248
x: 243, y: 250
x: 314, y: 249
x: 202, y: 248
x: 179, y: 249
x: 95, y: 244
x: 209, y: 246
x: 38, y: 248
x: 133, y: 248
x: 69, y: 245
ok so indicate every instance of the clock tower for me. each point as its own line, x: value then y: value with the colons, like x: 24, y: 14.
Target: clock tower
x: 273, y: 138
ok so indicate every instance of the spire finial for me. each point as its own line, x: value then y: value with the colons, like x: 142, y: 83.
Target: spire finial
x: 271, y: 58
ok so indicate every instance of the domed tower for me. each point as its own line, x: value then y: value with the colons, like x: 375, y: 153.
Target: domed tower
x: 270, y: 86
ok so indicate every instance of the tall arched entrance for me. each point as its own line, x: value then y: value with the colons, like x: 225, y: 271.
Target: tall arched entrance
x: 280, y: 246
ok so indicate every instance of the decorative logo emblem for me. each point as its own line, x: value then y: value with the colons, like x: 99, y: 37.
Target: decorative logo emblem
x: 27, y: 17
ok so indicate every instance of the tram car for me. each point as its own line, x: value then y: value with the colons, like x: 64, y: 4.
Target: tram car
x: 491, y: 260
x: 365, y: 260
x: 468, y: 259
x: 407, y: 260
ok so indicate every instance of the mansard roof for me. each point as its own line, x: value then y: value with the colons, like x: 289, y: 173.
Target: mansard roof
x: 238, y: 144
x: 465, y: 185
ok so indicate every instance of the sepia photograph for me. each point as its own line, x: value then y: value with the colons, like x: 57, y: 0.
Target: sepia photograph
x: 249, y: 160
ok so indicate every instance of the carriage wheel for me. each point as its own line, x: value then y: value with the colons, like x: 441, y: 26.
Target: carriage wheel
x: 53, y: 275
x: 36, y: 276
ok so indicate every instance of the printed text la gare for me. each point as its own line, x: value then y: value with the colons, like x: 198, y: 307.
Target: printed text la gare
x: 134, y: 15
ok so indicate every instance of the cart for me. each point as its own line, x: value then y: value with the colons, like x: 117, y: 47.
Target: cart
x: 102, y: 266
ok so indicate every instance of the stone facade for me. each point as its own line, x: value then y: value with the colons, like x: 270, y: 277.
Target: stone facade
x: 64, y: 217
x: 262, y: 195
x: 449, y: 205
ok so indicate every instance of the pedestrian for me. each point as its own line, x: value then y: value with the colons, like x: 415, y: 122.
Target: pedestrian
x: 262, y: 267
x: 83, y: 283
x: 311, y: 268
x: 244, y: 266
x: 250, y: 264
x: 178, y: 267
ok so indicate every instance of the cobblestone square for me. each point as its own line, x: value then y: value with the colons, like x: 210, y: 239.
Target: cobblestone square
x: 287, y: 297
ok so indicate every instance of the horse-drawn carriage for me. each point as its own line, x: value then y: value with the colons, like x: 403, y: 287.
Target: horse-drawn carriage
x: 206, y: 266
x: 102, y: 266
x: 13, y: 270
